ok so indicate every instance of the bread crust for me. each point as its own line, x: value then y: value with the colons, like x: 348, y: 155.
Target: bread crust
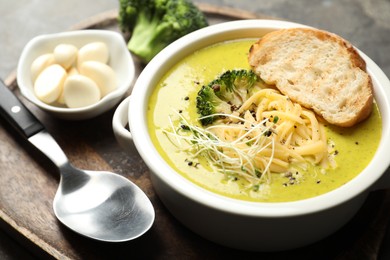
x: 317, y: 69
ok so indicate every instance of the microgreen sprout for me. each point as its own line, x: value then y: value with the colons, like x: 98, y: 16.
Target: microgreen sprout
x: 230, y: 157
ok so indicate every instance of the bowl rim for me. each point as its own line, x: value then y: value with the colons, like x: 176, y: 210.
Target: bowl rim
x: 69, y: 36
x: 137, y: 121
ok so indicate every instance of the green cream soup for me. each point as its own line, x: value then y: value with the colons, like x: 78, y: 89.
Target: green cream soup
x: 176, y: 94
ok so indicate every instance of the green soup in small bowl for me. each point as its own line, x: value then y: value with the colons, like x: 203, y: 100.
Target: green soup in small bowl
x: 279, y: 217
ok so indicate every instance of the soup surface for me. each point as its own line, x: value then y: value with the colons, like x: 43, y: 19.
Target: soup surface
x: 176, y: 94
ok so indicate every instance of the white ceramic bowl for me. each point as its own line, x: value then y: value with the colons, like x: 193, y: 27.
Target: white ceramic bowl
x: 120, y: 61
x: 234, y: 223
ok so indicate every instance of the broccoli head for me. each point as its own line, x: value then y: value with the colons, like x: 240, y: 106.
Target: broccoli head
x: 154, y: 24
x: 225, y: 94
x: 208, y: 103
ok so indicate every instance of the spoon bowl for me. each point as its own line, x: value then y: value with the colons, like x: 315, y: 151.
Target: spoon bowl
x: 116, y: 212
x: 97, y: 204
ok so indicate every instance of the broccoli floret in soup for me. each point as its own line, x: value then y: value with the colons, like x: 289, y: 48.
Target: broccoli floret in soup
x: 225, y: 94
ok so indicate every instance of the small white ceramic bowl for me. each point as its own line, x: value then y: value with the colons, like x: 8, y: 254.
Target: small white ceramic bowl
x: 239, y: 224
x: 120, y: 61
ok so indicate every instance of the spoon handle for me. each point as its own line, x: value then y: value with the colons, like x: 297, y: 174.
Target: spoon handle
x: 17, y: 114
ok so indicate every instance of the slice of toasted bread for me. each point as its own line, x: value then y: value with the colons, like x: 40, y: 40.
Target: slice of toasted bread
x: 318, y: 70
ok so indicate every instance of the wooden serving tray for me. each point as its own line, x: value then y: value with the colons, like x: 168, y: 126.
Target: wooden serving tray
x: 28, y: 182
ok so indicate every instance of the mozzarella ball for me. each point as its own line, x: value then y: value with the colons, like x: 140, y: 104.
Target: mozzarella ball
x: 65, y: 55
x: 101, y: 73
x: 40, y: 63
x: 80, y: 91
x: 94, y: 51
x: 49, y: 83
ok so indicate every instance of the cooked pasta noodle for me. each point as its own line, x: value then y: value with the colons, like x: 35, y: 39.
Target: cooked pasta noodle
x: 267, y: 134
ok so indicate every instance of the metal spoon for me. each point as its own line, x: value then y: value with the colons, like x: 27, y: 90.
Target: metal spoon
x: 100, y: 205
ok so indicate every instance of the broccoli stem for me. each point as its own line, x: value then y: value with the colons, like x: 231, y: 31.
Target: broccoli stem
x: 141, y: 42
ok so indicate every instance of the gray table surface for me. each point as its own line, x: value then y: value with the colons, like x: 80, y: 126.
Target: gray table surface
x: 365, y: 23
